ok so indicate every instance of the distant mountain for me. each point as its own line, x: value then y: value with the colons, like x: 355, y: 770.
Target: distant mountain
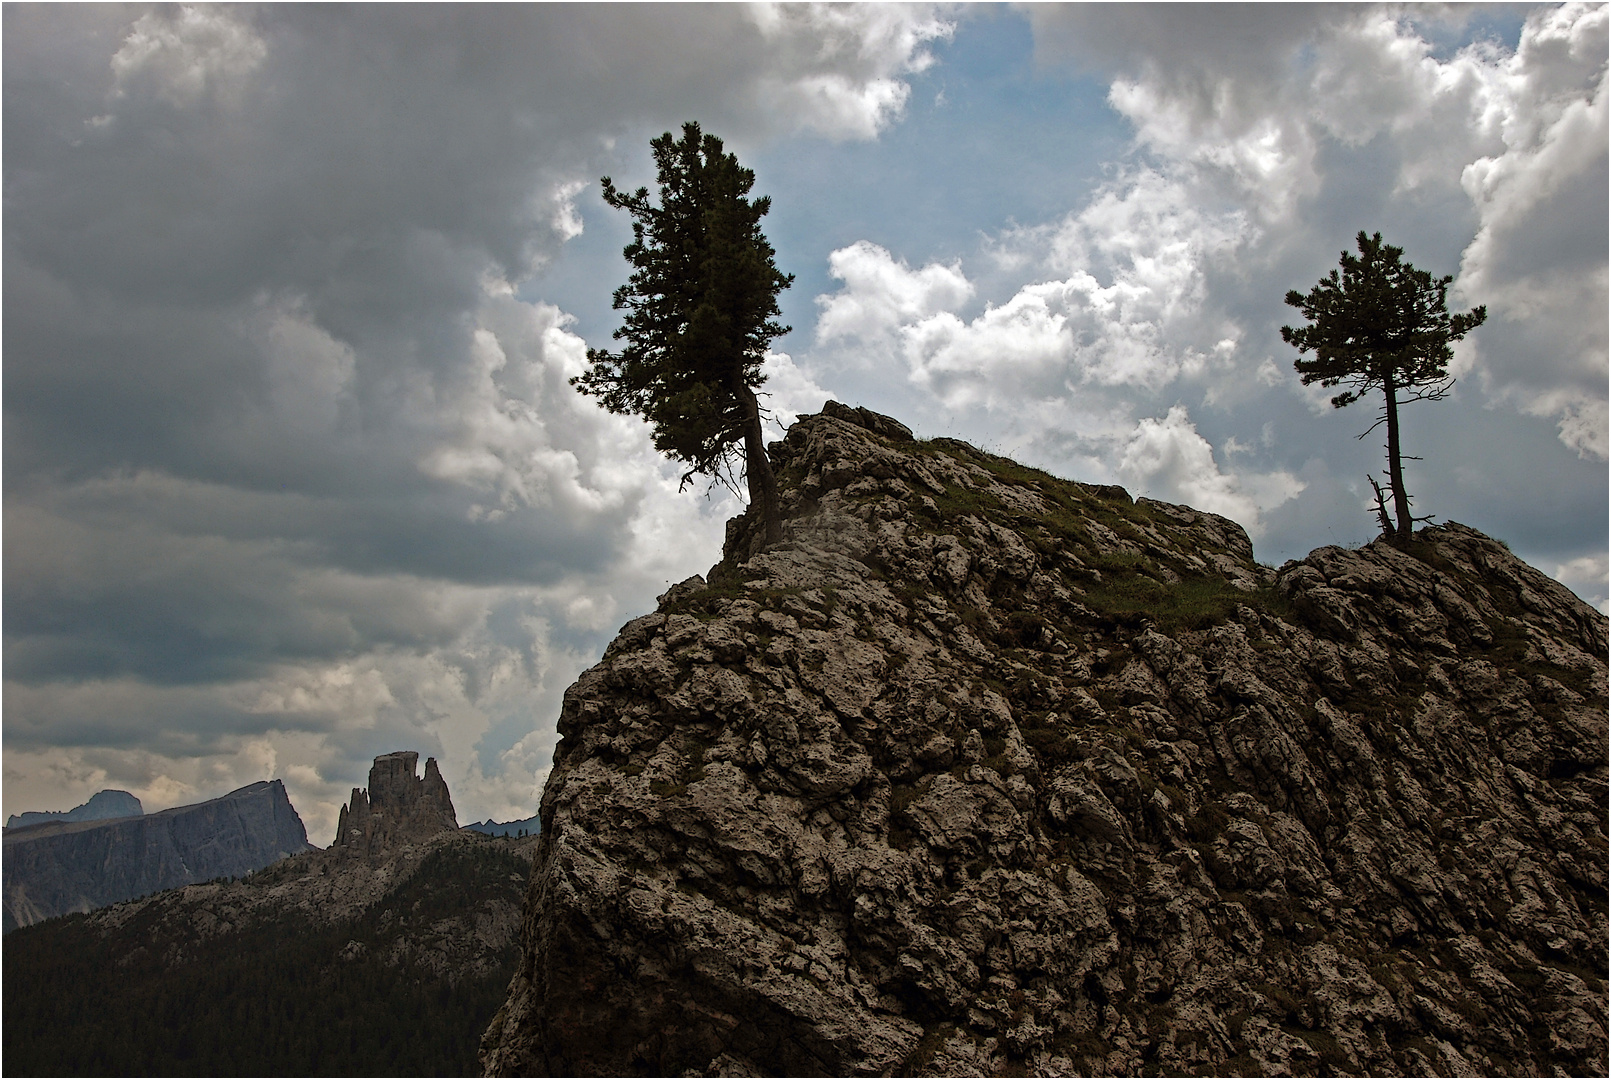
x: 63, y: 866
x: 102, y: 806
x: 383, y: 955
x: 530, y: 826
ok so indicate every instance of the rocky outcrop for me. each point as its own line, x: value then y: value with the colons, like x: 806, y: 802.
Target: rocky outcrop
x: 398, y: 807
x: 102, y: 806
x: 59, y: 867
x: 981, y: 771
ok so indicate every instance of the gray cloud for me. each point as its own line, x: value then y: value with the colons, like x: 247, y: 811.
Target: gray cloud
x: 294, y: 475
x: 1185, y: 43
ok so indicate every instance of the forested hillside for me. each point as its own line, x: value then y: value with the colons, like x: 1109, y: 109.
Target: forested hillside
x: 206, y: 981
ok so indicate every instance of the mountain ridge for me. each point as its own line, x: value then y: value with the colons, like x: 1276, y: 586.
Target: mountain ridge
x: 982, y: 771
x: 385, y: 954
x: 101, y: 806
x: 56, y: 867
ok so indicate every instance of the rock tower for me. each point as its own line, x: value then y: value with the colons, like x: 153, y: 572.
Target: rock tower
x: 398, y: 806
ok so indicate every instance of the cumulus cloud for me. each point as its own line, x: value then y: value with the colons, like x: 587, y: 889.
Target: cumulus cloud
x: 190, y: 53
x: 1296, y: 113
x: 840, y: 68
x: 1125, y: 309
x: 1587, y: 575
x: 881, y: 294
x: 1539, y: 258
x: 790, y: 391
x: 1203, y: 85
x: 1167, y: 459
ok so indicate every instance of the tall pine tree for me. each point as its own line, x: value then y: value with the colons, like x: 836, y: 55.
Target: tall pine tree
x: 1381, y: 325
x: 701, y: 306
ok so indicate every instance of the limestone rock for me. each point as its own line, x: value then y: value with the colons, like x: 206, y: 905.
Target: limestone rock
x: 980, y: 771
x: 397, y: 807
x: 59, y: 867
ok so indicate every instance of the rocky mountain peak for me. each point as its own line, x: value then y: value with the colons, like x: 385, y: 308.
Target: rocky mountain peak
x: 102, y: 806
x: 983, y: 771
x: 398, y: 806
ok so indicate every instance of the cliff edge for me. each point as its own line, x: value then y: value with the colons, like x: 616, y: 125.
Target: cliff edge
x: 62, y: 866
x: 986, y: 772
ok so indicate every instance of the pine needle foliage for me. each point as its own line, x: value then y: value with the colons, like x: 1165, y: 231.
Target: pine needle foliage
x: 1381, y: 325
x: 701, y: 308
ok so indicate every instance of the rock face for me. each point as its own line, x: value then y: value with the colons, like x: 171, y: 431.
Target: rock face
x: 58, y: 867
x: 398, y: 807
x: 984, y: 772
x: 101, y: 806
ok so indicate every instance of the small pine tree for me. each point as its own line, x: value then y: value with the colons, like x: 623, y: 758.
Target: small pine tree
x: 700, y: 306
x: 1382, y: 325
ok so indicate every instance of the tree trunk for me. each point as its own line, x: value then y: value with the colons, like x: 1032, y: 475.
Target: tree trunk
x: 758, y: 467
x: 1395, y: 466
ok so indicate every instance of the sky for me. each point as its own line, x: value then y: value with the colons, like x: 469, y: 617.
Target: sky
x: 293, y: 472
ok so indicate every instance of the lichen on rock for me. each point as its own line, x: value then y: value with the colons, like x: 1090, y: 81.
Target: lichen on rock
x: 982, y: 771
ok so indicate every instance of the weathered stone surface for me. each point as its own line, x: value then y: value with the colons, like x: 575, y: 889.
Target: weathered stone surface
x: 985, y: 772
x: 59, y: 867
x: 397, y: 807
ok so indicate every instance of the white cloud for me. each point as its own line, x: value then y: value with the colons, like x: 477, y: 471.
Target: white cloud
x: 1582, y: 421
x: 1539, y: 257
x: 1122, y: 306
x: 1267, y: 158
x: 493, y: 435
x: 567, y: 222
x: 882, y: 294
x: 838, y: 68
x: 1588, y: 577
x: 1167, y: 459
x: 1248, y: 111
x: 790, y: 391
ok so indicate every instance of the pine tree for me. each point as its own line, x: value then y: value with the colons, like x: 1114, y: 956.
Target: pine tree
x: 1382, y: 325
x: 701, y: 304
